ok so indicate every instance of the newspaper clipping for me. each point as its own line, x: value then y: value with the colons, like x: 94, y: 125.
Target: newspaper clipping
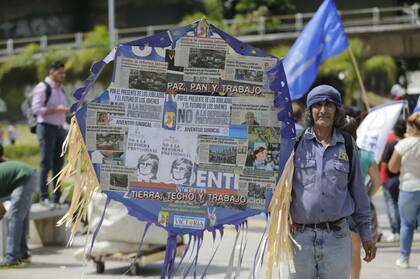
x: 103, y: 114
x: 162, y: 156
x: 222, y: 150
x: 248, y: 69
x: 143, y: 108
x: 143, y: 152
x: 117, y: 178
x: 262, y: 143
x: 198, y: 75
x: 203, y: 114
x: 141, y: 74
x: 254, y: 111
x: 255, y: 188
x: 194, y: 52
x: 106, y: 138
x: 177, y: 158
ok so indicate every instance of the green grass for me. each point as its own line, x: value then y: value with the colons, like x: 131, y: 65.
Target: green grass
x: 26, y: 148
x: 25, y: 153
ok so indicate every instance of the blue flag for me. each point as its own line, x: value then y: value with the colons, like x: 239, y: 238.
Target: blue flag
x: 321, y: 38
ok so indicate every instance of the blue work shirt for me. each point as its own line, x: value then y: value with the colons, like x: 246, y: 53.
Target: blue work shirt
x: 321, y: 191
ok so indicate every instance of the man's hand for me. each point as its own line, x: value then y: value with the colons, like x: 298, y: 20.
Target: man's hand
x: 370, y: 250
x: 293, y: 228
x: 62, y: 109
x: 2, y: 210
x: 57, y: 109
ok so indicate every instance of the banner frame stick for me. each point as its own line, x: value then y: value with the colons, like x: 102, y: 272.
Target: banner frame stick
x: 359, y: 78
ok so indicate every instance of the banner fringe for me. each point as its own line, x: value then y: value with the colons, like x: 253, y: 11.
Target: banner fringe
x: 80, y: 172
x: 280, y: 242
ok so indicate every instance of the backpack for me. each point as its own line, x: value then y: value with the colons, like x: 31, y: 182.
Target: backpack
x: 27, y: 107
x: 348, y: 144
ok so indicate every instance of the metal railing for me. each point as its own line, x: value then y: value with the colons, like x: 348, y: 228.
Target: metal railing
x: 372, y: 17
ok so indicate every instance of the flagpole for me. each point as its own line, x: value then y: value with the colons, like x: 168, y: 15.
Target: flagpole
x: 359, y: 78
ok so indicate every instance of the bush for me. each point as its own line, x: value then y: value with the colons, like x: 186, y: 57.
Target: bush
x: 25, y: 153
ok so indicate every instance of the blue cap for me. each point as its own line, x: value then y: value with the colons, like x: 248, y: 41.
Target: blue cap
x: 323, y: 93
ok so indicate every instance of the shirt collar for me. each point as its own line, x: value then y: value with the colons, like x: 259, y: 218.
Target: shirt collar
x: 336, y: 136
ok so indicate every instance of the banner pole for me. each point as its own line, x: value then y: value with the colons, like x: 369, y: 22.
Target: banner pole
x: 359, y: 78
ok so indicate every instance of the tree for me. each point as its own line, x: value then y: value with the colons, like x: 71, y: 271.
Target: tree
x: 212, y: 10
x: 378, y: 72
x: 25, y: 69
x: 245, y: 14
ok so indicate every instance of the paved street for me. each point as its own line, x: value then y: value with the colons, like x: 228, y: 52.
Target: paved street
x: 59, y: 262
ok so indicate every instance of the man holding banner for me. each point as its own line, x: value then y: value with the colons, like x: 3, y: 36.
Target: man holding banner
x: 327, y: 189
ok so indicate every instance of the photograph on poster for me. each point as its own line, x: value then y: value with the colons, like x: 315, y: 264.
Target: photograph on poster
x: 224, y: 151
x: 146, y: 80
x: 250, y: 119
x: 222, y: 154
x: 101, y: 115
x: 259, y: 157
x: 102, y: 118
x: 119, y: 180
x: 163, y: 218
x: 248, y: 75
x: 206, y: 58
x: 254, y: 111
x: 256, y: 191
x: 116, y: 178
x: 264, y: 134
x: 106, y: 141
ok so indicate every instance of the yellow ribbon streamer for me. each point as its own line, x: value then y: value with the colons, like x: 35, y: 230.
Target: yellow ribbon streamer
x: 80, y: 172
x: 280, y: 242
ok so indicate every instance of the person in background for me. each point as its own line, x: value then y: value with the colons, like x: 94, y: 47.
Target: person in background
x: 391, y: 186
x: 2, y: 158
x: 12, y: 132
x: 369, y: 167
x: 327, y: 189
x: 405, y: 159
x: 17, y: 180
x: 298, y: 117
x: 51, y: 117
x: 1, y: 134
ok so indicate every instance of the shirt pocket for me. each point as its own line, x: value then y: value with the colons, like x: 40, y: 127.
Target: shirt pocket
x: 338, y: 173
x: 305, y: 171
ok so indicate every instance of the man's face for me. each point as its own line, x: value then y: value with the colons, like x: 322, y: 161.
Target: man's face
x: 145, y: 167
x: 250, y: 118
x: 57, y: 75
x: 179, y: 171
x: 323, y: 114
x: 261, y: 156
